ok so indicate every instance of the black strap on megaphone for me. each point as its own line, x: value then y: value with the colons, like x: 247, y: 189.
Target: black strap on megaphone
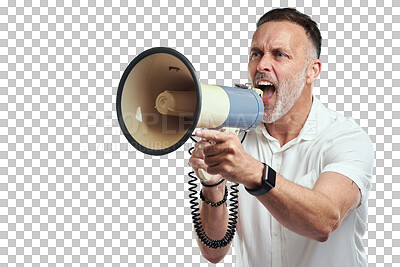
x: 233, y: 206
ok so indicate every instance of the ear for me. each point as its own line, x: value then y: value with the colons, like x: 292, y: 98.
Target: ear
x: 313, y: 71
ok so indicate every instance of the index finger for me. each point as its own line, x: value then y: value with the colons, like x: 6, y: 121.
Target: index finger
x: 211, y: 135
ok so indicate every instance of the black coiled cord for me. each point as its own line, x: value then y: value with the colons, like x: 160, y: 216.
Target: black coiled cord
x: 233, y: 206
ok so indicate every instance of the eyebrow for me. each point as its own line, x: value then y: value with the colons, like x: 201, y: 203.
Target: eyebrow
x: 276, y: 49
x: 255, y: 49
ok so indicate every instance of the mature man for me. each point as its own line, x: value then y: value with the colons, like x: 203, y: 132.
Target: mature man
x: 304, y: 173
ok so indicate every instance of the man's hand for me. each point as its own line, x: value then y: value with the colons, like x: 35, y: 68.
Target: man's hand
x: 197, y: 161
x: 221, y: 153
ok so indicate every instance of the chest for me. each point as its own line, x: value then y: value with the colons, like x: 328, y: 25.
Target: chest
x: 300, y: 161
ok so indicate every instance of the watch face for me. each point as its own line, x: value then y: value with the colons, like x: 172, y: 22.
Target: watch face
x: 268, y: 182
x: 270, y: 177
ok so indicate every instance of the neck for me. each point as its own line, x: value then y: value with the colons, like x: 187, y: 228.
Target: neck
x: 289, y: 126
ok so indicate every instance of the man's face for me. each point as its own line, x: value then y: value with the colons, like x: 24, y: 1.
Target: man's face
x: 277, y: 65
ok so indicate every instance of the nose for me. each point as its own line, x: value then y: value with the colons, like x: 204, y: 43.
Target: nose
x: 264, y: 65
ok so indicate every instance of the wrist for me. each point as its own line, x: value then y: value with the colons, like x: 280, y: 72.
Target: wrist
x: 267, y: 182
x: 255, y: 180
x: 213, y: 203
x: 214, y: 194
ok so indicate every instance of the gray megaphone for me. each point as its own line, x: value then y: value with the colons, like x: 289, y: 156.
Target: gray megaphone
x: 160, y: 102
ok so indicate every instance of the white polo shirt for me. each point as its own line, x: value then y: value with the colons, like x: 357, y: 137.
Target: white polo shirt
x: 327, y: 142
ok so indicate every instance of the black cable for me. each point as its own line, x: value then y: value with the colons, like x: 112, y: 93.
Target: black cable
x: 233, y: 206
x: 244, y: 136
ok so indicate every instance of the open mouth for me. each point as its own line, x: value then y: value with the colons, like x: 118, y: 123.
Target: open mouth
x: 268, y: 89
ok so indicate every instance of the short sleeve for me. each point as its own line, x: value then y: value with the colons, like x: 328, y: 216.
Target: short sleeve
x: 350, y: 152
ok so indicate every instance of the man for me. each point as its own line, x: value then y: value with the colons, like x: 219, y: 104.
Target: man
x: 304, y: 173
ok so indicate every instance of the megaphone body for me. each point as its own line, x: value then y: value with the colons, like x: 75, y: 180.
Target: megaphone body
x: 160, y: 102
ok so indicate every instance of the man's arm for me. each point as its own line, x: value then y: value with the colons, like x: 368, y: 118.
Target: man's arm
x: 314, y: 213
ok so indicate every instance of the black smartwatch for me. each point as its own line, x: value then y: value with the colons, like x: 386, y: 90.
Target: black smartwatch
x: 268, y: 182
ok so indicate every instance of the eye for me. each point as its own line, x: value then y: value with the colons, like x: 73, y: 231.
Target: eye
x: 279, y: 54
x: 254, y: 55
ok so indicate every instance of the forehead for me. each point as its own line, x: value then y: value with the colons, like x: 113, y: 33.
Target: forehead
x: 281, y: 34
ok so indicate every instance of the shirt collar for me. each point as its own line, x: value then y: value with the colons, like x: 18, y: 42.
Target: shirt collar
x: 309, y: 130
x: 317, y: 121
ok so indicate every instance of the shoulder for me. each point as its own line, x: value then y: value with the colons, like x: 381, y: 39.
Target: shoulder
x: 344, y: 134
x: 334, y: 127
x: 348, y: 150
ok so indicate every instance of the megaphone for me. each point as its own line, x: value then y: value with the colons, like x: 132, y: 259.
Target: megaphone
x: 160, y: 102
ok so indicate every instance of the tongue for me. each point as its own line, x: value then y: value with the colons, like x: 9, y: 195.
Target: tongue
x: 268, y: 92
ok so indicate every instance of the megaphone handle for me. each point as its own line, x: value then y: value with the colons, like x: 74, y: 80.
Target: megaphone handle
x: 204, y: 175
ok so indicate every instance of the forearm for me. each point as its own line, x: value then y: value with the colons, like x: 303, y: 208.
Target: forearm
x: 302, y: 210
x: 314, y: 213
x: 214, y: 221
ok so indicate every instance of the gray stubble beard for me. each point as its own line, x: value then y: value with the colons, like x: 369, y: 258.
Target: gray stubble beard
x: 286, y: 98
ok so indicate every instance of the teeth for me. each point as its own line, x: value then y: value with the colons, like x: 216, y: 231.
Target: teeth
x: 264, y: 83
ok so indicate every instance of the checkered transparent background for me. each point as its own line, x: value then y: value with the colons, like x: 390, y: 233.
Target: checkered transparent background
x: 74, y: 192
